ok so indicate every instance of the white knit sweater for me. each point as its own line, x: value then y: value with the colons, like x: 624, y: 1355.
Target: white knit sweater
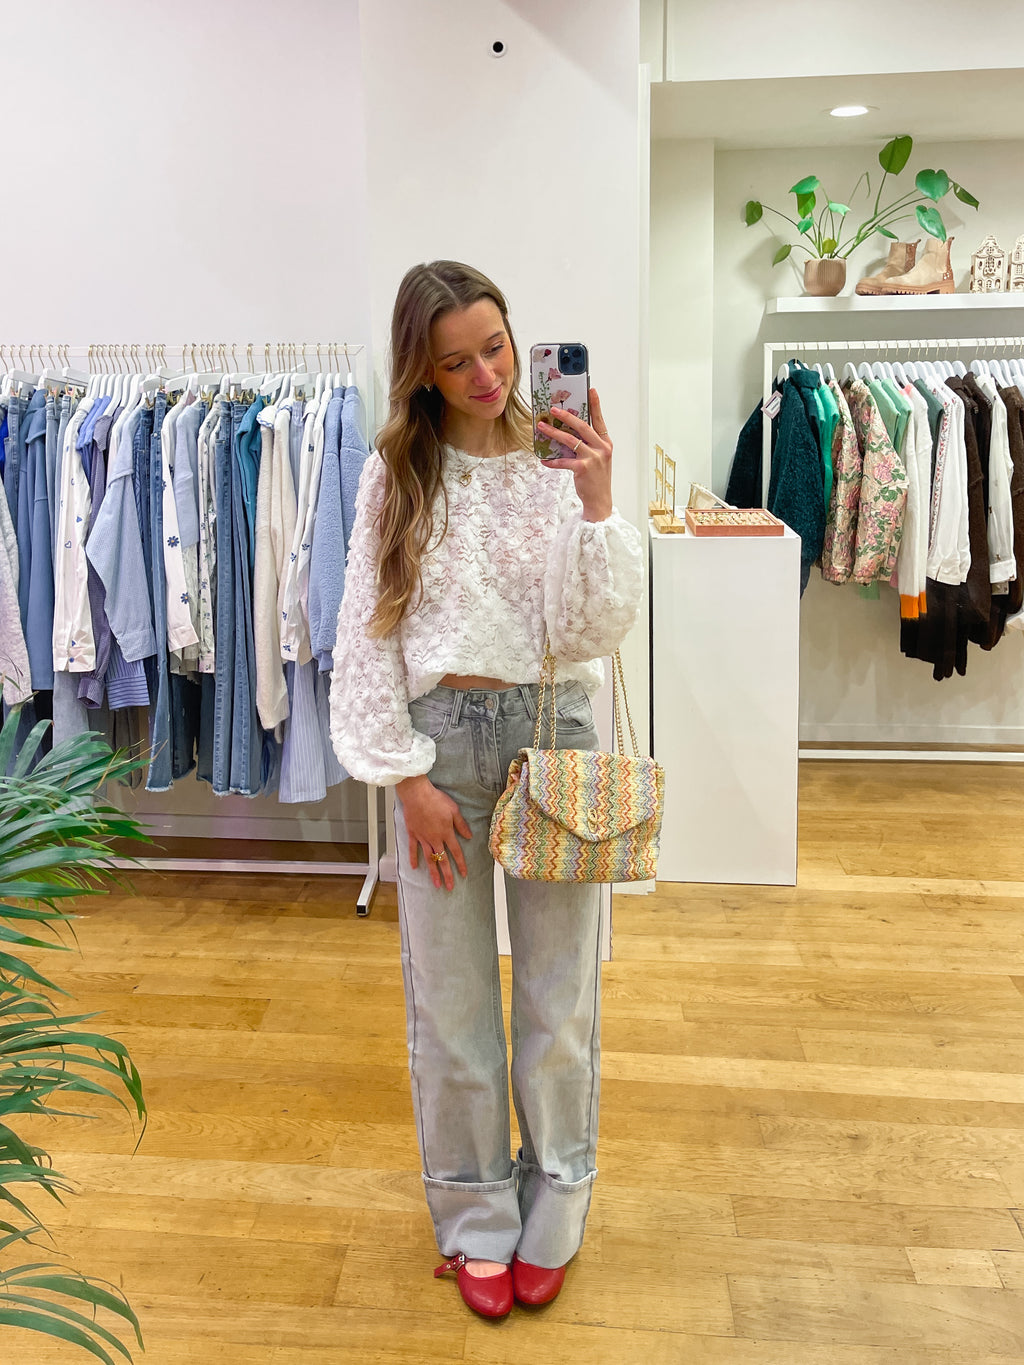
x: 517, y: 559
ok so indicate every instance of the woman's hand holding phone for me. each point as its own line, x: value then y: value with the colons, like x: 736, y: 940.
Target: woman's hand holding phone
x: 591, y: 464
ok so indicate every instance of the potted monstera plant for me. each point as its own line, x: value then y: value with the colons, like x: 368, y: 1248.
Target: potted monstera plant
x: 821, y: 222
x: 57, y: 836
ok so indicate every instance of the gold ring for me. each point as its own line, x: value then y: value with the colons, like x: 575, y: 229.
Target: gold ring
x: 577, y: 445
x: 436, y: 857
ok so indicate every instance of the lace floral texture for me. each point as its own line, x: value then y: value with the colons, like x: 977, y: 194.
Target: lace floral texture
x: 517, y: 559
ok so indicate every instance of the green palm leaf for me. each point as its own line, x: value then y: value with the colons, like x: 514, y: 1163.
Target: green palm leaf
x: 56, y: 841
x: 21, y: 970
x: 70, y: 1315
x: 52, y: 1327
x: 78, y: 1287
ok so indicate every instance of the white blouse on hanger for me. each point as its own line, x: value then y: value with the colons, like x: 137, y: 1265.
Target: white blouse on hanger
x: 949, y: 546
x: 1002, y: 563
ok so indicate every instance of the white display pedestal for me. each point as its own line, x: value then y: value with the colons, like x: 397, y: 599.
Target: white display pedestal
x: 725, y: 701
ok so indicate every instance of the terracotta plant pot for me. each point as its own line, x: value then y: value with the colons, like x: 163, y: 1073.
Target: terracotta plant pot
x: 824, y: 278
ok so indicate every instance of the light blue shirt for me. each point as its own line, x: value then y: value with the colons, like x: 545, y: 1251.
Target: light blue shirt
x: 114, y: 549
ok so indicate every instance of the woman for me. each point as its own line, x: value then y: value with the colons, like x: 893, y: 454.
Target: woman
x: 467, y: 551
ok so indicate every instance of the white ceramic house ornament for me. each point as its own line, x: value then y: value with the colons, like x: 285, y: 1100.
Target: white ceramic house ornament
x: 1017, y: 267
x: 988, y: 268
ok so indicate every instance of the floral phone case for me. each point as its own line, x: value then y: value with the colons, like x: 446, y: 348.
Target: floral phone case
x: 559, y: 378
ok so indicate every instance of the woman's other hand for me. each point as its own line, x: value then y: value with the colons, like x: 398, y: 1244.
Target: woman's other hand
x: 433, y: 821
x: 591, y: 464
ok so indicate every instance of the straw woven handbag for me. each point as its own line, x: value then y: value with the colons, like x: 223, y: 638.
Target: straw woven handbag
x: 574, y: 815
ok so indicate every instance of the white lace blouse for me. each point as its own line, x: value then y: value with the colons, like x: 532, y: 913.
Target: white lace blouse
x: 517, y: 557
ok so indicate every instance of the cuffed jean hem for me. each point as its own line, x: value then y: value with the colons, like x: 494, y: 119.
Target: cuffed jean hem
x: 479, y: 1220
x: 554, y: 1216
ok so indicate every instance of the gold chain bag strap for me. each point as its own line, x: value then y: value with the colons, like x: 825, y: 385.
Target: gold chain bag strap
x: 575, y: 815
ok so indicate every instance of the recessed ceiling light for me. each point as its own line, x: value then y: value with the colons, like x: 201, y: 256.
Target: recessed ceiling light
x: 849, y: 110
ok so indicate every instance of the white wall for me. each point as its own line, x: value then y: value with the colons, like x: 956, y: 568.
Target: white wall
x: 184, y: 171
x: 682, y: 300
x: 737, y: 39
x: 525, y: 166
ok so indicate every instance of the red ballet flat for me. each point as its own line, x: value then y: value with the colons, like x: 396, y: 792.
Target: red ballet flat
x: 535, y: 1283
x: 489, y: 1295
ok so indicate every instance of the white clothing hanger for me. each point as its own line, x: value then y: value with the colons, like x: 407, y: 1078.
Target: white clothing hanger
x: 783, y: 373
x: 849, y: 372
x: 1009, y: 360
x: 864, y: 370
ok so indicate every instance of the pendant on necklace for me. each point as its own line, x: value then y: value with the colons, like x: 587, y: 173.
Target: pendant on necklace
x: 466, y: 476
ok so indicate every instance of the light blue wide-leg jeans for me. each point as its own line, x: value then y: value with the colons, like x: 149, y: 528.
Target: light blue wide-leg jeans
x: 483, y: 1204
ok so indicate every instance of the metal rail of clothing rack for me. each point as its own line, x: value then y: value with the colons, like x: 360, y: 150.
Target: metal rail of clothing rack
x: 151, y: 359
x: 368, y: 870
x: 936, y: 345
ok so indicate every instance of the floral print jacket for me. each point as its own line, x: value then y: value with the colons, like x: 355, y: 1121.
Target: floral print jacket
x: 837, y: 553
x: 883, y: 490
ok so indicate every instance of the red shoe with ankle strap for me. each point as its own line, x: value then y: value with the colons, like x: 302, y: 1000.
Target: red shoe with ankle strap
x: 535, y: 1283
x: 489, y: 1295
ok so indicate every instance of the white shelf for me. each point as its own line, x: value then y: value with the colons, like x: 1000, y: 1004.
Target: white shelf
x: 897, y: 303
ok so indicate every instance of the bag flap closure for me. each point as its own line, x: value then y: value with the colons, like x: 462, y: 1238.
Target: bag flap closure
x: 594, y: 795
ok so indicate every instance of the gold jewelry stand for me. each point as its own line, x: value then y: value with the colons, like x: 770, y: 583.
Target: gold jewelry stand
x: 663, y: 508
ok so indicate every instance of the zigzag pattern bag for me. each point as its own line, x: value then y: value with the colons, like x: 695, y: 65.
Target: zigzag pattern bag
x: 574, y: 815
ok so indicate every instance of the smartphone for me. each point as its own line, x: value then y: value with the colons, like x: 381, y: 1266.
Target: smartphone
x: 559, y: 378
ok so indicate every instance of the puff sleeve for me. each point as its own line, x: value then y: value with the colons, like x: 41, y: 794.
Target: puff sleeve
x: 371, y: 731
x: 593, y: 583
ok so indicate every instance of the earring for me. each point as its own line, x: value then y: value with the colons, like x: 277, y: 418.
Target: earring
x: 429, y: 388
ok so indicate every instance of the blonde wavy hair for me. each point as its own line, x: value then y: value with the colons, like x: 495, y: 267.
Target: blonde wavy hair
x: 411, y: 441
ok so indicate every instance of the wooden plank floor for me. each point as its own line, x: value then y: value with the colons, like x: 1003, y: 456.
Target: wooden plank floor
x: 812, y: 1146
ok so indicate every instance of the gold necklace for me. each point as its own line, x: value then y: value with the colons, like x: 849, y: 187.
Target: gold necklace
x: 466, y: 476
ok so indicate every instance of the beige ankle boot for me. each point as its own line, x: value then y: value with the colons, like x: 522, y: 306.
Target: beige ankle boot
x: 902, y: 256
x: 933, y: 273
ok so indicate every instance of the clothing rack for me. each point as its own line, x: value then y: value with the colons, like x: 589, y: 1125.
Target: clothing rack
x: 774, y: 349
x: 231, y: 358
x: 227, y: 356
